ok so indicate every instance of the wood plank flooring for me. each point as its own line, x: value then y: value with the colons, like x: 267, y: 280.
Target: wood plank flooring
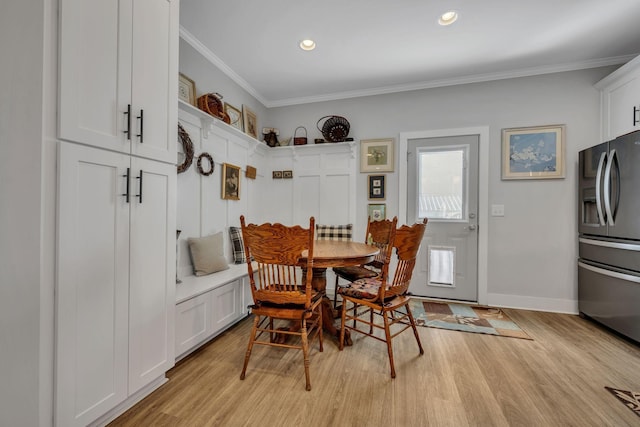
x: 463, y: 379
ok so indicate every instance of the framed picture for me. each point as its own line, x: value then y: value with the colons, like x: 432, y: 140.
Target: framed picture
x: 533, y: 152
x: 376, y: 155
x: 250, y: 121
x: 377, y: 212
x: 376, y: 187
x: 230, y: 182
x: 186, y: 89
x: 235, y: 116
x: 251, y: 172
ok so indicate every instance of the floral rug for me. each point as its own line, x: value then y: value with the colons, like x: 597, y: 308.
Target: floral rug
x: 466, y: 318
x: 630, y: 399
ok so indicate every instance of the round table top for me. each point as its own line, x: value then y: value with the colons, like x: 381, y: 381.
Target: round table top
x: 332, y: 253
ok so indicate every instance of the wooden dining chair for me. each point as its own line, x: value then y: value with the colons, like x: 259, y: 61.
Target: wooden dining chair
x: 281, y: 290
x: 383, y: 298
x: 380, y: 234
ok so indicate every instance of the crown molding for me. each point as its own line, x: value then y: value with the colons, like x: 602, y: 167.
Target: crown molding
x: 220, y: 64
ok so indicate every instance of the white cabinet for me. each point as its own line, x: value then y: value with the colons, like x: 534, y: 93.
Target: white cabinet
x: 620, y: 93
x: 118, y: 75
x: 202, y: 317
x: 115, y: 296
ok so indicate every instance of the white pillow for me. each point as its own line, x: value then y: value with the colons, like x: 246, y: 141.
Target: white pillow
x: 207, y: 254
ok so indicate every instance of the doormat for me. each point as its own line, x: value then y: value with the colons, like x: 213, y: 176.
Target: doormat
x: 630, y: 399
x: 466, y: 318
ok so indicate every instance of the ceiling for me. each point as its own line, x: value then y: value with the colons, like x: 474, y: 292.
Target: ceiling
x: 367, y: 47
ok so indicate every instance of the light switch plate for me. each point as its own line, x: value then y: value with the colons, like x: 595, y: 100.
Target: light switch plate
x: 497, y: 210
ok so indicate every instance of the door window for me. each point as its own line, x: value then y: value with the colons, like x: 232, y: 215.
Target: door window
x: 441, y: 184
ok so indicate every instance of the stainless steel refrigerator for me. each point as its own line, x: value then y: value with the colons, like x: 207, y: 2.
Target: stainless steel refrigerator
x: 609, y: 234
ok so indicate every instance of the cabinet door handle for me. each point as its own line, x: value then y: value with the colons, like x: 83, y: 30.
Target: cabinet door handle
x: 128, y: 114
x: 636, y: 119
x: 126, y: 195
x: 139, y: 195
x: 141, y: 134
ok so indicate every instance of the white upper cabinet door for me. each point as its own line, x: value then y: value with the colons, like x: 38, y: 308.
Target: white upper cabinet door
x: 624, y: 108
x: 92, y: 289
x: 152, y: 271
x: 155, y: 79
x: 118, y: 75
x: 621, y: 100
x: 95, y: 72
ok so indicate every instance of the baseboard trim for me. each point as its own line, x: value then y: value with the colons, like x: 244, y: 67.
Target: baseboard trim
x: 552, y: 305
x: 129, y: 402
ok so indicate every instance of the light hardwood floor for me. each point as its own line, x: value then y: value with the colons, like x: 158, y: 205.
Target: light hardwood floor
x: 463, y: 379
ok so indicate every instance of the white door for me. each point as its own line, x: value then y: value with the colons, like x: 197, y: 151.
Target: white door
x: 95, y: 72
x: 442, y: 185
x: 153, y: 274
x: 92, y: 288
x: 154, y: 84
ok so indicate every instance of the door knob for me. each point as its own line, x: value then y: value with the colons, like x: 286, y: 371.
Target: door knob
x: 472, y: 227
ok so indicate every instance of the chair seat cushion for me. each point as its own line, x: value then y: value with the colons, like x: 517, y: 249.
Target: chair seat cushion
x: 363, y: 288
x: 354, y: 273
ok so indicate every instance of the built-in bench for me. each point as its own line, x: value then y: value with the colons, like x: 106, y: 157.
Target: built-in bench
x: 208, y: 305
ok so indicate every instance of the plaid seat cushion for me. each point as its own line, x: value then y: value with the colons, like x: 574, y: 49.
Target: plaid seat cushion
x: 341, y: 233
x: 237, y: 245
x: 363, y: 288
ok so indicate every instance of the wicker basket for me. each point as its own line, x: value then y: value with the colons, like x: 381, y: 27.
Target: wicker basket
x: 211, y: 103
x: 300, y: 140
x: 334, y: 129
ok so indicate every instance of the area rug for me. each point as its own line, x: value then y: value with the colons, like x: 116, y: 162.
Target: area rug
x: 466, y: 318
x: 630, y: 399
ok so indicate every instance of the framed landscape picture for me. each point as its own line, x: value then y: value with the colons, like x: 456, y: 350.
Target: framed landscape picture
x: 533, y: 152
x: 376, y: 155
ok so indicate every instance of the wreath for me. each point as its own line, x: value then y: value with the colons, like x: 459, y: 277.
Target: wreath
x: 211, y: 164
x: 187, y: 147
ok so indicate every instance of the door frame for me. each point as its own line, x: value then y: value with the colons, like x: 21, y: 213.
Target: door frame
x: 483, y: 189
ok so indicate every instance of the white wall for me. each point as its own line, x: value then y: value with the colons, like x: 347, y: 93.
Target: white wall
x: 27, y: 212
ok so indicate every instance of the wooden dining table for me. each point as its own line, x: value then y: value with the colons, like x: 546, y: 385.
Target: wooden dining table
x: 333, y: 253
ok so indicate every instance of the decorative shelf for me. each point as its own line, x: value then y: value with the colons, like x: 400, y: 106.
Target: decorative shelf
x: 208, y: 123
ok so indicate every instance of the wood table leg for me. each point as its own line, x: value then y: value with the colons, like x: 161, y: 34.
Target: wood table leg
x: 319, y: 283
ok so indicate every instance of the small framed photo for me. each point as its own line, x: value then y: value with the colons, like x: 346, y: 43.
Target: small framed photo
x: 376, y: 187
x: 230, y: 182
x: 287, y: 174
x: 377, y: 212
x: 533, y: 152
x: 186, y: 89
x: 376, y: 155
x: 250, y: 121
x: 235, y: 116
x: 276, y: 175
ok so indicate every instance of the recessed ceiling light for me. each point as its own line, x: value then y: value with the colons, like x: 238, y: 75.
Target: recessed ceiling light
x: 448, y: 18
x: 307, y: 44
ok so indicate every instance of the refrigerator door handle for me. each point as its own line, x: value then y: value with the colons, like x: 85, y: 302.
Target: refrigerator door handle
x: 607, y: 188
x: 603, y: 157
x: 610, y: 273
x: 607, y: 244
